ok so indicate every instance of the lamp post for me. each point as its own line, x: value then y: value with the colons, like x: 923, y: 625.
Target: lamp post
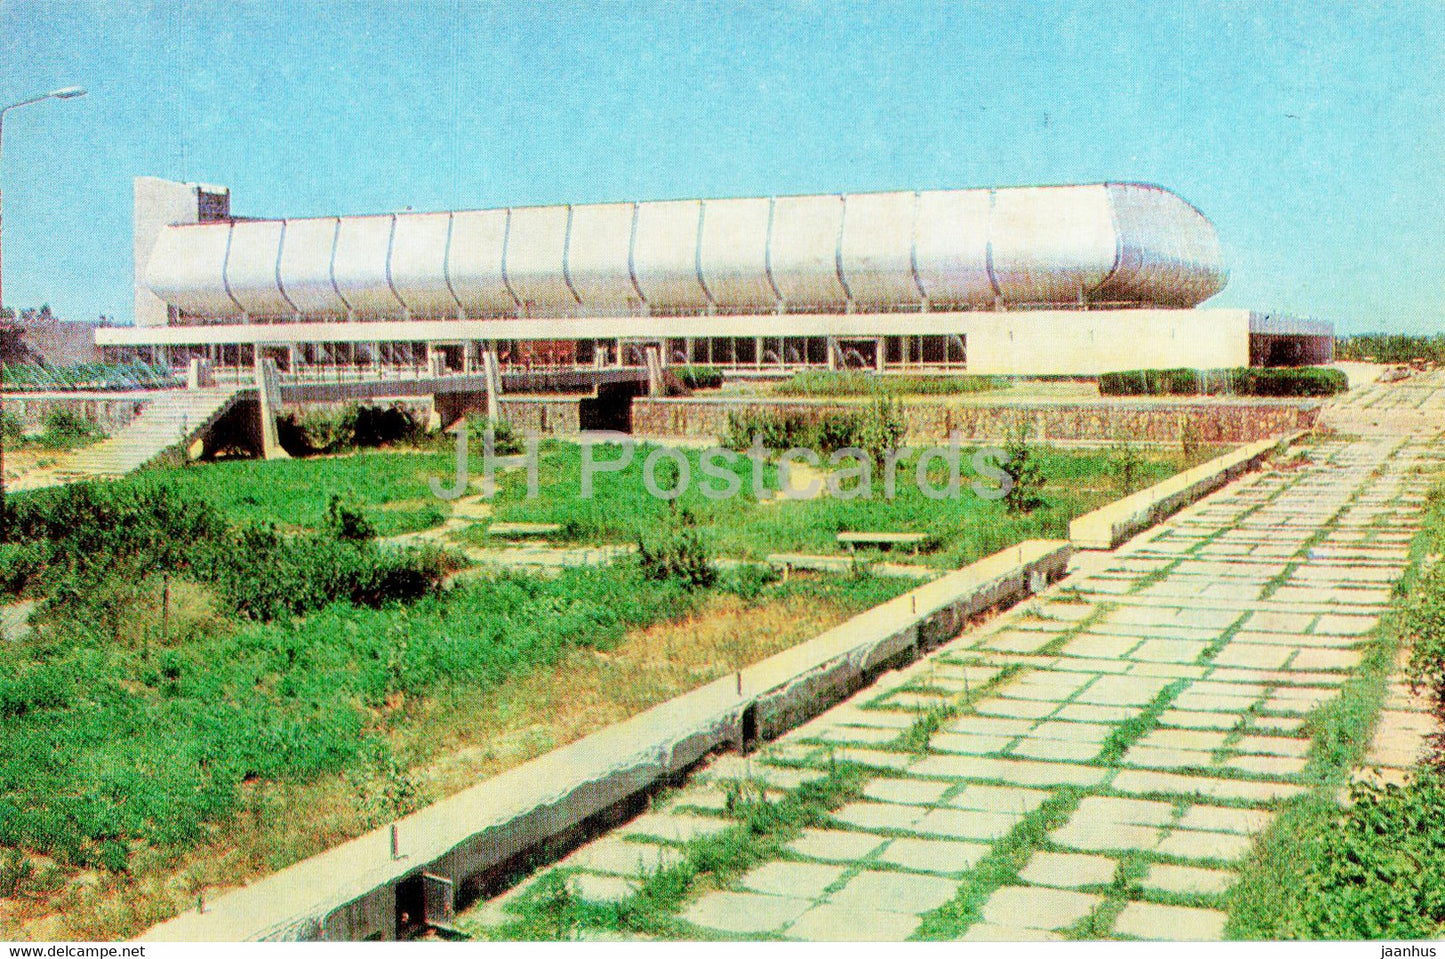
x: 64, y: 93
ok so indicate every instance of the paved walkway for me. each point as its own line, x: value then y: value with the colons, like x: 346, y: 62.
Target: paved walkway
x: 1099, y: 758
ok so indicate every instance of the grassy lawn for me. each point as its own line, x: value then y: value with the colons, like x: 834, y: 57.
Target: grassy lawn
x: 966, y: 528
x: 391, y: 487
x: 138, y: 768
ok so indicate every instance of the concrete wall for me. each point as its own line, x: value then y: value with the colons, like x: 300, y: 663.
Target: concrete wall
x: 1109, y: 526
x: 1234, y: 421
x: 109, y: 413
x: 158, y: 204
x: 1089, y: 342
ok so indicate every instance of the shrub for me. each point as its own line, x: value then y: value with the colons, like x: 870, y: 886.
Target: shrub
x: 16, y: 870
x: 12, y: 431
x: 65, y: 430
x: 881, y: 430
x: 1391, y: 348
x: 381, y: 425
x: 344, y: 521
x: 823, y: 430
x: 1127, y: 466
x: 678, y: 556
x: 1379, y: 871
x: 1240, y: 381
x: 682, y: 380
x: 858, y: 383
x: 1026, y: 473
x: 322, y: 430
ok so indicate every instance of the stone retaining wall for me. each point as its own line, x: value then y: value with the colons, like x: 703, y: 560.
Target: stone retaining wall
x: 554, y: 416
x: 1218, y: 421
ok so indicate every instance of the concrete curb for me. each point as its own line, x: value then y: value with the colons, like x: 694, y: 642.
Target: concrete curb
x: 350, y: 892
x: 1109, y: 526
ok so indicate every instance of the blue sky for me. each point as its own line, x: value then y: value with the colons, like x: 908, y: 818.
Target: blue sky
x: 1312, y: 134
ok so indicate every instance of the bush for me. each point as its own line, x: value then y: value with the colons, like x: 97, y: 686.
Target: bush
x: 324, y: 430
x: 857, y: 383
x: 1380, y: 870
x: 381, y: 425
x: 1025, y: 493
x: 1391, y: 348
x: 97, y: 543
x: 66, y: 430
x: 679, y: 556
x: 344, y: 521
x: 1240, y: 381
x: 881, y: 430
x: 823, y: 431
x: 681, y: 380
x: 11, y: 429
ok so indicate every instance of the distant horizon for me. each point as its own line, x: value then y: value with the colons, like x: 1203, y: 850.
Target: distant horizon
x: 1308, y: 135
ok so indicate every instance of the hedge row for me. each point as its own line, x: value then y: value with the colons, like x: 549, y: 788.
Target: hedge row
x: 1239, y: 381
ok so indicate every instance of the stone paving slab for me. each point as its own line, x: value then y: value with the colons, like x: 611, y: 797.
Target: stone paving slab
x: 833, y: 923
x: 744, y: 913
x: 895, y: 892
x: 1068, y: 870
x: 1144, y: 920
x: 934, y: 855
x: 778, y: 878
x: 1033, y: 907
x: 1186, y: 880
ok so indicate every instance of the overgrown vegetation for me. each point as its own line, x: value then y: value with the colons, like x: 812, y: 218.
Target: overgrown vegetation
x: 355, y: 426
x: 856, y: 383
x: 684, y: 379
x: 875, y: 428
x: 1239, y: 381
x: 761, y: 828
x: 1058, y: 485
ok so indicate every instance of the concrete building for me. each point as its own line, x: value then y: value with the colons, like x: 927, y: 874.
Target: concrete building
x: 1072, y: 280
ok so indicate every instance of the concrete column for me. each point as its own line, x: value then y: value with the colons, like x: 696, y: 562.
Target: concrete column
x: 469, y: 356
x: 620, y: 358
x: 758, y: 352
x: 268, y: 391
x: 833, y: 352
x: 199, y: 374
x: 663, y: 358
x: 880, y: 360
x: 654, y: 371
x: 492, y: 370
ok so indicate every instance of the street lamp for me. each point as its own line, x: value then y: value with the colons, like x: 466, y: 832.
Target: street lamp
x: 64, y: 93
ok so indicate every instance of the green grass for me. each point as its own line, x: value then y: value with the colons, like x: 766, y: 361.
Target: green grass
x: 969, y: 527
x: 392, y: 488
x: 838, y: 383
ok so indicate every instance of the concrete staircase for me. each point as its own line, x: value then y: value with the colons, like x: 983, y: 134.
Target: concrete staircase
x: 174, y: 419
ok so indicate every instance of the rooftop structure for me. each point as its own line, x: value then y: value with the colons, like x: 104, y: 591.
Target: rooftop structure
x: 1059, y: 279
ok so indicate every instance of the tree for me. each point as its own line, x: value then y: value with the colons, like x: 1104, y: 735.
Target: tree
x: 1022, y: 466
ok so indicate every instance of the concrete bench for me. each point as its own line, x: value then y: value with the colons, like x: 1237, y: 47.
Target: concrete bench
x: 890, y: 540
x: 524, y: 529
